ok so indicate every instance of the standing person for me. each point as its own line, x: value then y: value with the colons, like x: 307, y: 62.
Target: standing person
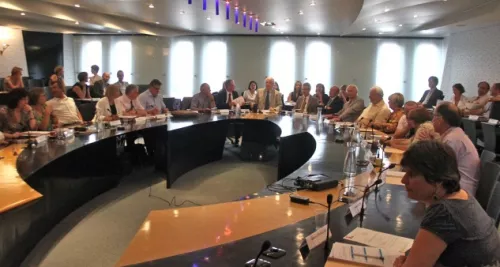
x: 123, y: 84
x: 432, y: 95
x: 45, y: 118
x: 94, y: 69
x: 151, y: 99
x: 320, y: 94
x: 204, y: 100
x: 15, y: 80
x: 57, y: 76
x: 18, y: 116
x: 80, y: 89
x: 297, y: 92
x: 250, y: 94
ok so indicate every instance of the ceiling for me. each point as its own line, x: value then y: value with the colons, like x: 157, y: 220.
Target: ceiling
x: 434, y: 18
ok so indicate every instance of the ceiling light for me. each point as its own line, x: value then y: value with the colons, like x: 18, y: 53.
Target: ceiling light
x: 287, y: 19
x: 313, y: 3
x: 387, y: 10
x: 119, y: 31
x: 377, y: 20
x: 23, y: 14
x: 151, y: 5
x: 301, y: 12
x: 380, y: 33
x: 77, y: 5
x: 208, y: 18
x: 400, y: 25
x: 77, y: 23
x: 182, y: 12
x: 157, y: 22
x: 281, y: 32
x: 428, y: 31
x: 415, y: 16
x: 445, y: 0
x: 364, y: 29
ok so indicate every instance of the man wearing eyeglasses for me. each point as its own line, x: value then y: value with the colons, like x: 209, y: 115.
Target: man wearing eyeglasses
x: 151, y: 99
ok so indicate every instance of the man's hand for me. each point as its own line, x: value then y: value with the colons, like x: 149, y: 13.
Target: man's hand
x: 165, y: 110
x: 16, y: 135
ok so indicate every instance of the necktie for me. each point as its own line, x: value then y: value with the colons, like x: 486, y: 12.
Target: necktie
x: 230, y: 98
x: 131, y: 105
x: 303, y: 104
x: 266, y: 106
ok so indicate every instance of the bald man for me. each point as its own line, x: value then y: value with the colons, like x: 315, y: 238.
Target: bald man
x: 377, y: 111
x: 98, y: 90
x: 268, y: 98
x: 353, y: 108
x: 336, y: 103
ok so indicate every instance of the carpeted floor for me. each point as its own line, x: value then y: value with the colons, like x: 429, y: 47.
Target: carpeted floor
x: 97, y: 234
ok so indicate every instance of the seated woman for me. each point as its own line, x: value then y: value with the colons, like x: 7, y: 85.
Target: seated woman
x: 419, y: 119
x: 250, y: 93
x: 458, y: 96
x: 297, y: 92
x: 80, y: 90
x: 15, y: 80
x: 455, y: 231
x: 57, y: 76
x: 45, y: 118
x: 396, y: 102
x: 320, y: 95
x: 18, y: 116
x: 105, y: 107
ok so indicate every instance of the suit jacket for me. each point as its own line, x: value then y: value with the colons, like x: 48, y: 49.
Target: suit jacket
x: 334, y: 105
x: 436, y: 95
x: 221, y: 99
x: 97, y: 90
x: 312, y: 105
x: 352, y: 109
x: 274, y: 99
x: 326, y: 98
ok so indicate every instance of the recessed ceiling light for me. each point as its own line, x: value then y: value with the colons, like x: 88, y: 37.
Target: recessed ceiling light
x: 387, y: 10
x: 157, y: 22
x: 313, y: 3
x: 77, y: 5
x: 400, y: 25
x: 301, y: 12
x: 208, y: 18
x: 77, y: 23
x: 151, y: 5
x: 119, y: 31
x: 377, y: 20
x: 281, y: 32
x: 415, y: 16
x: 182, y: 12
x: 364, y: 29
x: 23, y: 14
x: 287, y: 19
x: 445, y: 0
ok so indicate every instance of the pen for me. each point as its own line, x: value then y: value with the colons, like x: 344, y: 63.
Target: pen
x: 364, y: 250
x: 381, y: 255
x: 352, y: 252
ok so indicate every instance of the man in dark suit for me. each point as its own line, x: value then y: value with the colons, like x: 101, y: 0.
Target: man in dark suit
x: 98, y: 90
x: 225, y: 98
x: 306, y: 102
x: 431, y: 96
x: 336, y: 103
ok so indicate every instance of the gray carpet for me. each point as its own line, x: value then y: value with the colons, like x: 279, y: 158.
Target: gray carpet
x: 99, y: 232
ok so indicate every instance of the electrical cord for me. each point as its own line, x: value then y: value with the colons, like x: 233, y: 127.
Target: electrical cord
x: 173, y: 201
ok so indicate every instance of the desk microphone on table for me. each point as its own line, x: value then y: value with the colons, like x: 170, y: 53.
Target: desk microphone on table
x: 265, y: 246
x: 329, y: 199
x: 365, y: 192
x: 380, y: 174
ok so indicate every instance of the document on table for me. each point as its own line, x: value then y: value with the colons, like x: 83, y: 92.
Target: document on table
x: 380, y: 240
x: 363, y: 255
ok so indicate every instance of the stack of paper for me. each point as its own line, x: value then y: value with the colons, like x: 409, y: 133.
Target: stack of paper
x: 380, y: 240
x: 363, y: 255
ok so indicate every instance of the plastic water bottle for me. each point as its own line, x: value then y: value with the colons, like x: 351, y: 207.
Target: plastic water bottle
x: 350, y: 160
x: 238, y: 110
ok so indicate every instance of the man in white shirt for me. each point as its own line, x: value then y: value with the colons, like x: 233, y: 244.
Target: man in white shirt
x: 151, y: 99
x: 120, y: 82
x: 377, y: 111
x: 446, y: 122
x: 128, y: 104
x: 63, y: 107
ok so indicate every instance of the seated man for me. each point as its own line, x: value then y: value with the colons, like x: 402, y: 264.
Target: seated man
x: 63, y: 107
x: 352, y: 108
x: 403, y: 130
x: 475, y: 105
x: 396, y: 102
x: 99, y: 88
x: 335, y: 103
x: 128, y: 104
x: 431, y: 96
x: 494, y: 96
x: 204, y: 100
x: 306, y: 103
x: 151, y: 99
x: 225, y: 98
x: 377, y: 111
x: 268, y: 98
x: 447, y: 122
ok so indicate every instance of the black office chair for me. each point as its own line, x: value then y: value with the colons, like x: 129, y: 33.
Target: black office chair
x: 493, y: 209
x: 470, y: 130
x: 142, y: 87
x: 169, y: 102
x: 490, y: 137
x: 490, y: 172
x: 487, y: 156
x: 186, y: 102
x: 87, y: 110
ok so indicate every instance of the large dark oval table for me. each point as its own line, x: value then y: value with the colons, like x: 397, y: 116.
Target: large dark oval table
x: 69, y: 173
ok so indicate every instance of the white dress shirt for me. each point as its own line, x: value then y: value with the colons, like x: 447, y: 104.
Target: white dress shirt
x: 64, y: 109
x: 103, y: 108
x: 431, y: 91
x: 124, y: 104
x: 94, y: 79
x: 462, y: 103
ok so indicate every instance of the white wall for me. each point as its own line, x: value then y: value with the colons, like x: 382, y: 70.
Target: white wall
x: 473, y: 56
x: 15, y: 55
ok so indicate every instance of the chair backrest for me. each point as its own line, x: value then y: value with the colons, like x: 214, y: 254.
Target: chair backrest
x: 186, y: 103
x: 87, y: 110
x: 490, y: 172
x: 142, y: 87
x: 470, y: 130
x: 487, y: 156
x: 493, y: 208
x: 169, y: 102
x: 490, y: 137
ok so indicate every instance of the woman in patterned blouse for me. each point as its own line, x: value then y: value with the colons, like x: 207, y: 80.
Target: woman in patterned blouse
x: 396, y: 102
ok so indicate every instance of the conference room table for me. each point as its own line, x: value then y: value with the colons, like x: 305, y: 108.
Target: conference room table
x: 42, y: 185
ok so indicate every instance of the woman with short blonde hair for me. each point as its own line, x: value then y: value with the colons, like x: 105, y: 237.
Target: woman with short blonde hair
x: 105, y: 107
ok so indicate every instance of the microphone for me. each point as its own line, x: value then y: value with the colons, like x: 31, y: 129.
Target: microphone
x: 265, y: 246
x: 380, y: 175
x: 365, y: 192
x: 329, y: 199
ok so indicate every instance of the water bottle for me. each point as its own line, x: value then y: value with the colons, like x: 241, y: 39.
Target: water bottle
x: 238, y: 110
x: 320, y: 114
x: 350, y: 161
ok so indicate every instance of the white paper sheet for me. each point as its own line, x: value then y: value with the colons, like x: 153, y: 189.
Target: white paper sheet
x: 353, y: 253
x: 380, y: 240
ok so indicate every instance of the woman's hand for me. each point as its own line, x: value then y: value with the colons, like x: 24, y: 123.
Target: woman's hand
x: 399, y: 261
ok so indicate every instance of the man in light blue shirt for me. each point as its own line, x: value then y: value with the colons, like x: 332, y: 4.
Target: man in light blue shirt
x: 151, y: 99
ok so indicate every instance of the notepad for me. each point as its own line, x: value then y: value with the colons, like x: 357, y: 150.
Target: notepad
x: 380, y: 240
x: 363, y: 255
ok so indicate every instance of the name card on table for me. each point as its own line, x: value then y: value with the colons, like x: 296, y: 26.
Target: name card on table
x: 355, y: 207
x: 317, y: 238
x: 140, y: 120
x: 492, y: 121
x: 473, y: 117
x: 115, y: 123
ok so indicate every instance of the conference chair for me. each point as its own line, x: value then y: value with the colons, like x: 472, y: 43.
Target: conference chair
x: 169, y: 102
x: 470, y: 130
x: 487, y: 156
x: 490, y: 137
x: 186, y: 102
x: 493, y: 209
x: 490, y: 172
x: 87, y: 110
x: 142, y: 87
x: 1, y: 84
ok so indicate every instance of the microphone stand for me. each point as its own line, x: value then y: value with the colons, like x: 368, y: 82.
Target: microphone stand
x: 365, y: 193
x: 265, y: 246
x: 380, y: 175
x: 329, y: 200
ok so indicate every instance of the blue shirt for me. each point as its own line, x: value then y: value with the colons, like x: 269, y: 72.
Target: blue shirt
x: 149, y: 102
